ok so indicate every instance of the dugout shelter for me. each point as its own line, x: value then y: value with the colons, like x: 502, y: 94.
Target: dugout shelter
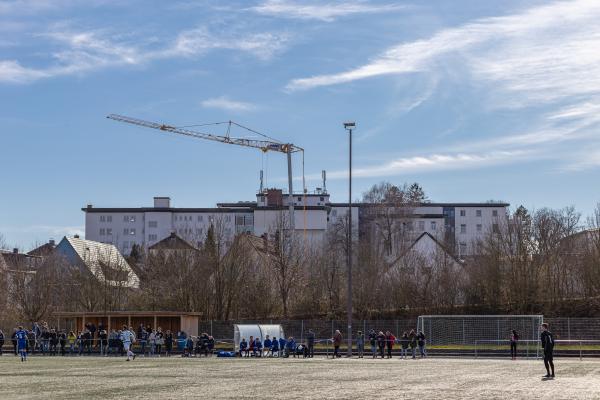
x: 256, y: 330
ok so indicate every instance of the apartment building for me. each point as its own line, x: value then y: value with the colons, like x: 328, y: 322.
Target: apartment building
x: 456, y: 224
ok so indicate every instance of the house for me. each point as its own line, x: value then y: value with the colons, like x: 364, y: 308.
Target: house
x: 173, y: 244
x: 102, y: 260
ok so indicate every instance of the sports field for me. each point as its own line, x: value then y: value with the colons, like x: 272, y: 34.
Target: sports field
x: 318, y: 378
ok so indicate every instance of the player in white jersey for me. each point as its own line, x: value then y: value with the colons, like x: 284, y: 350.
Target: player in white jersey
x: 128, y: 338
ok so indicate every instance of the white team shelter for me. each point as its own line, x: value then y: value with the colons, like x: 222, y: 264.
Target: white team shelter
x: 255, y: 330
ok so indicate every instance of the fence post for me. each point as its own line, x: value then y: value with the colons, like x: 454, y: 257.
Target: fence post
x: 302, y: 331
x: 211, y: 328
x: 569, y: 327
x: 580, y: 352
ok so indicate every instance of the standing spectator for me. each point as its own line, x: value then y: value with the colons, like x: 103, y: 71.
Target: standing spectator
x: 103, y: 340
x: 310, y: 342
x: 1, y: 341
x: 71, y: 339
x: 381, y: 343
x: 390, y: 339
x: 92, y: 334
x: 275, y: 347
x: 152, y: 342
x: 337, y: 341
x: 210, y: 345
x: 143, y: 338
x: 412, y: 338
x: 282, y: 345
x: 113, y: 342
x: 360, y: 344
x: 514, y: 338
x: 169, y: 343
x: 404, y: 340
x: 45, y: 339
x: 13, y: 339
x: 31, y: 342
x: 373, y: 342
x: 87, y: 340
x: 189, y: 347
x: 62, y: 339
x: 267, y: 345
x: 80, y: 340
x: 160, y: 340
x: 421, y: 342
x: 53, y: 341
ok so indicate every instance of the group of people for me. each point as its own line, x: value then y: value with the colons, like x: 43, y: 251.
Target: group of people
x: 382, y: 344
x: 273, y: 347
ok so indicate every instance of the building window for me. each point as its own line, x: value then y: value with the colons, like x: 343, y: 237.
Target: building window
x: 421, y: 225
x: 299, y: 198
x: 152, y: 224
x: 199, y: 218
x: 228, y: 218
x: 495, y: 228
x: 463, y: 247
x: 478, y: 213
x: 152, y: 237
x: 479, y: 227
x: 333, y: 213
x: 102, y: 218
x: 463, y: 228
x: 102, y: 231
x: 463, y: 213
x: 109, y: 218
x: 433, y: 226
x: 410, y: 226
x: 108, y: 231
x: 494, y: 213
x: 125, y: 218
x: 322, y: 198
x: 126, y: 231
x: 198, y: 231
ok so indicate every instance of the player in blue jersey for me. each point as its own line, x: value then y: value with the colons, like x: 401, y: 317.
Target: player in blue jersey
x: 21, y: 336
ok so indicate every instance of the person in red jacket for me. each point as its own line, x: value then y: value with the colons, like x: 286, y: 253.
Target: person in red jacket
x: 390, y: 339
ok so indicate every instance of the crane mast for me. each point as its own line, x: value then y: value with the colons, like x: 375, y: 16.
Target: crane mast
x: 263, y: 145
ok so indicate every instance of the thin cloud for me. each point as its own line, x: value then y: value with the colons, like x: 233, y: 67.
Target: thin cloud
x: 85, y: 51
x: 432, y: 162
x: 511, y: 49
x: 227, y: 104
x: 323, y: 11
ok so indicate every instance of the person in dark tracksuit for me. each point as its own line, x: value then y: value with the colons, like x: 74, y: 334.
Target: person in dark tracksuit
x: 514, y: 339
x: 381, y: 343
x: 310, y: 342
x: 548, y: 346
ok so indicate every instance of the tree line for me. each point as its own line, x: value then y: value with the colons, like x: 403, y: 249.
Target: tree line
x: 544, y: 261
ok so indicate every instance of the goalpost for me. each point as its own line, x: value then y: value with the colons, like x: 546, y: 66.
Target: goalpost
x: 473, y: 330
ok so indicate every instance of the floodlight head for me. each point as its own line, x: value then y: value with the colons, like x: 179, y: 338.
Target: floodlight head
x: 349, y: 125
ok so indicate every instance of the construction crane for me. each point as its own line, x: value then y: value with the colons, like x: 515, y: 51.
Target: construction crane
x: 263, y: 145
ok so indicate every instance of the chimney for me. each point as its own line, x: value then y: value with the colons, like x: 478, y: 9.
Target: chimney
x: 90, y: 206
x: 51, y: 242
x: 173, y: 234
x: 274, y: 197
x: 76, y: 236
x: 15, y: 251
x: 162, y: 202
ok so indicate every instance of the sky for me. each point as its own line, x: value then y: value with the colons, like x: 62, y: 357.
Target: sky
x: 474, y: 100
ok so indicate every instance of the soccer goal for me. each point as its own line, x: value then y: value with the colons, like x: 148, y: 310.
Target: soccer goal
x: 473, y: 330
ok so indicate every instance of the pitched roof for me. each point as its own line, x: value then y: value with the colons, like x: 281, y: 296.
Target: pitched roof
x: 103, y: 260
x: 173, y: 242
x: 427, y: 236
x: 43, y: 250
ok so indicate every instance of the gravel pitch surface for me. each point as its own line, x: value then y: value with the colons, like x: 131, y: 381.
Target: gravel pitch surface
x: 319, y: 378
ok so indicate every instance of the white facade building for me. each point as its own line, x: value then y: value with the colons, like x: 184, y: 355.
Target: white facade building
x: 456, y: 224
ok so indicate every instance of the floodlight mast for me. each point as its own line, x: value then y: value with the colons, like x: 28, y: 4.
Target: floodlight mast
x: 263, y: 145
x: 349, y: 126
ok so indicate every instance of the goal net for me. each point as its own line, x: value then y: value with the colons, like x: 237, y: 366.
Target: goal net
x: 443, y: 330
